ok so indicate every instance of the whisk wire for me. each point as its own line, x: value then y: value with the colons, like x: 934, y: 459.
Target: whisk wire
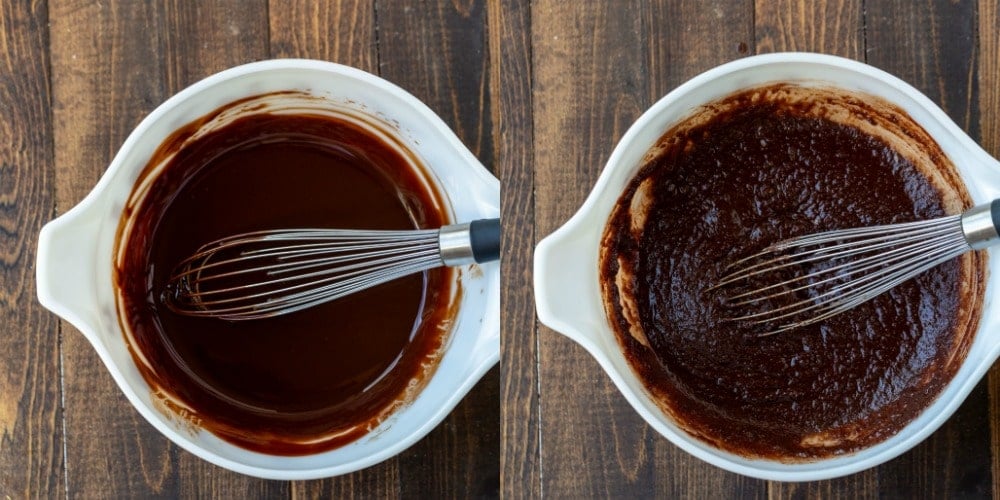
x: 303, y: 290
x: 808, y: 279
x: 915, y: 227
x: 860, y: 288
x: 307, y: 279
x: 312, y: 294
x: 378, y: 245
x: 874, y: 238
x: 269, y: 273
x: 848, y: 268
x: 342, y: 263
x: 859, y: 296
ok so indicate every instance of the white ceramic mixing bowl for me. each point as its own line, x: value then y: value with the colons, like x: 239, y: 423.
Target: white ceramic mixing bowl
x: 75, y: 279
x: 567, y: 287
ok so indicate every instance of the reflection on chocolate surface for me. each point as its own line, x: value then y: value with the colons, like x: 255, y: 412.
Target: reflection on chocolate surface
x: 309, y: 381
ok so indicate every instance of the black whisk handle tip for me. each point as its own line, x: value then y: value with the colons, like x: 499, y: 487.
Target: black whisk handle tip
x: 484, y: 237
x: 995, y: 213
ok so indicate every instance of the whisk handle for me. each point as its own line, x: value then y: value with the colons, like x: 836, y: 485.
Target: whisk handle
x: 484, y: 236
x: 981, y: 225
x: 995, y: 214
x: 476, y: 241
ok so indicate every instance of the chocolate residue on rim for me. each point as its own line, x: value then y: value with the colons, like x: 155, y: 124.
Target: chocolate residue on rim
x: 753, y: 168
x: 306, y: 382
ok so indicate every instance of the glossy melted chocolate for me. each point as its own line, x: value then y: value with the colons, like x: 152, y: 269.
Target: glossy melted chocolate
x: 305, y: 382
x: 758, y: 167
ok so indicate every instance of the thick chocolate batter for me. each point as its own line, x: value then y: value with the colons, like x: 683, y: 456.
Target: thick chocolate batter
x: 757, y: 167
x: 305, y: 382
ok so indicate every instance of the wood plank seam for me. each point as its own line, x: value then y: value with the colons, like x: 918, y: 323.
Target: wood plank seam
x: 53, y: 212
x: 864, y: 30
x: 62, y: 397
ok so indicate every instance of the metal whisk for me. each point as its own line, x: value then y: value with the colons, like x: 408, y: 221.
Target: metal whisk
x: 807, y: 279
x: 269, y: 273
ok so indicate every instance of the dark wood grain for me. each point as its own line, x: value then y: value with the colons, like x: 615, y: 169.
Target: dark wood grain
x: 578, y: 114
x: 31, y: 440
x: 988, y: 32
x: 461, y: 457
x: 511, y: 85
x: 931, y: 44
x: 342, y: 32
x: 989, y: 132
x: 438, y: 51
x: 827, y: 26
x: 540, y: 91
x: 689, y: 37
x: 112, y: 63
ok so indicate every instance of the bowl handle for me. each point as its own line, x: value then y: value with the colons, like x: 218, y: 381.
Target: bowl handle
x: 565, y: 273
x: 65, y: 272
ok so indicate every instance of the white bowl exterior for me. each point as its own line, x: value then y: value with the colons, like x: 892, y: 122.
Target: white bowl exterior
x: 75, y: 256
x: 567, y: 260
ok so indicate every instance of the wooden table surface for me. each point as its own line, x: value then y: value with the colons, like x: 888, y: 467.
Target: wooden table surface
x: 573, y: 78
x: 540, y: 91
x: 76, y: 78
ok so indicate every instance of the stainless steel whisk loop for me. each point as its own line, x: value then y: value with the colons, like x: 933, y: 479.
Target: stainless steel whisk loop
x: 834, y: 271
x: 269, y: 273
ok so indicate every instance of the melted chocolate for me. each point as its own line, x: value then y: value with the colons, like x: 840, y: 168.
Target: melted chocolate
x: 759, y: 167
x: 308, y: 381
